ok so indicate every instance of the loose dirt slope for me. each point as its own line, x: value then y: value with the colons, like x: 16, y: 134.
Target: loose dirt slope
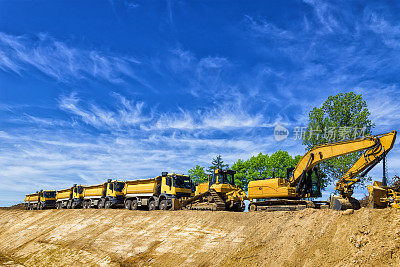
x: 121, y: 237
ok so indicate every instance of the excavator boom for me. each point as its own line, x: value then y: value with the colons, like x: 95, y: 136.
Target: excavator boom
x: 371, y: 157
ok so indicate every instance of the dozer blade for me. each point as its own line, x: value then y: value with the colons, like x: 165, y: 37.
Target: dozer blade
x: 341, y: 203
x: 376, y: 194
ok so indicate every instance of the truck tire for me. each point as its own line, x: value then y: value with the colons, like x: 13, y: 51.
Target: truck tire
x: 40, y: 206
x: 134, y: 205
x: 100, y: 204
x: 107, y: 205
x: 152, y: 205
x: 128, y: 204
x: 163, y: 205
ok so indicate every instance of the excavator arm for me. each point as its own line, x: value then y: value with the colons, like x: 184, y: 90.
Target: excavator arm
x: 324, y: 152
x: 371, y: 157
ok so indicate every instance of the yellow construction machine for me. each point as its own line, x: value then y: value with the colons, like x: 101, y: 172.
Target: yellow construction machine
x: 219, y: 193
x: 383, y: 196
x: 303, y: 182
x: 369, y: 159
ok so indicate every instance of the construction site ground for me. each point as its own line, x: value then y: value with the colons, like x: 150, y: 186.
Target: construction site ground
x: 199, y: 238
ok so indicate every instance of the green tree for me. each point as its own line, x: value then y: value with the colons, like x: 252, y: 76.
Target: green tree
x: 263, y: 166
x: 341, y: 117
x: 217, y: 163
x: 197, y: 174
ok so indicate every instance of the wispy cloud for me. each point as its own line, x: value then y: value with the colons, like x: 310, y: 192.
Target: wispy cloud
x: 60, y: 61
x: 267, y: 29
x: 127, y: 114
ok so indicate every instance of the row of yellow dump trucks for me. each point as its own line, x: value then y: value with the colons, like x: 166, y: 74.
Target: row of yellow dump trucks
x: 297, y: 190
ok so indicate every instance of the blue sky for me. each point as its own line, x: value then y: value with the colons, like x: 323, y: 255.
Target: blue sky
x: 127, y: 89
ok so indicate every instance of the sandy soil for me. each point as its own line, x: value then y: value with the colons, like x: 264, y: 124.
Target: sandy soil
x: 199, y: 238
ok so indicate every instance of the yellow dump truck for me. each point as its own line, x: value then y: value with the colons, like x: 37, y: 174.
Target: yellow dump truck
x: 70, y: 198
x: 106, y: 195
x: 157, y: 193
x: 40, y: 200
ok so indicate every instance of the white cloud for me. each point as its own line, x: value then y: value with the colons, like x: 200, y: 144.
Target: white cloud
x: 267, y: 29
x: 389, y: 33
x: 127, y: 114
x: 60, y: 61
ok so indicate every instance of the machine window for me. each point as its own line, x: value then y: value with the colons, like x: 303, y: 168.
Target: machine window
x: 110, y: 186
x: 118, y: 186
x: 182, y: 182
x: 50, y: 194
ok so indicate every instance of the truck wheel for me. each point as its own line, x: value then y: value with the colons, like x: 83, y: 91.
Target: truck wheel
x: 128, y: 204
x: 134, y: 205
x: 107, y: 205
x: 40, y: 206
x: 163, y: 205
x: 152, y: 205
x: 100, y: 204
x: 252, y: 207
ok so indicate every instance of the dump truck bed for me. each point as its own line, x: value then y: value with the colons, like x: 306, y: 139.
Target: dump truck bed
x: 63, y: 194
x: 140, y: 186
x: 94, y: 190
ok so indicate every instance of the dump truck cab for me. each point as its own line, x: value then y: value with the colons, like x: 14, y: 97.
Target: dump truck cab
x: 44, y: 199
x: 175, y: 185
x: 114, y: 194
x: 76, y: 197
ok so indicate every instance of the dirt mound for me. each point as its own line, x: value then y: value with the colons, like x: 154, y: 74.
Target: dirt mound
x: 124, y: 238
x: 19, y: 206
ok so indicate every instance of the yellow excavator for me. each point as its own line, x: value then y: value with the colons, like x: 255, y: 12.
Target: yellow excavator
x: 303, y: 182
x: 370, y: 158
x: 219, y: 193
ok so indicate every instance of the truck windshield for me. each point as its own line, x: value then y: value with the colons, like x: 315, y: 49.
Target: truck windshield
x: 182, y: 181
x: 49, y: 194
x: 118, y: 186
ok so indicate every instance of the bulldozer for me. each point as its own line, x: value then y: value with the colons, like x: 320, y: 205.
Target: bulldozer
x: 303, y: 182
x: 218, y: 193
x: 382, y: 196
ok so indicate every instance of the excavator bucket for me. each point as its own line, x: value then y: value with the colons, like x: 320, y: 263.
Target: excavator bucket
x: 377, y: 196
x: 341, y: 203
